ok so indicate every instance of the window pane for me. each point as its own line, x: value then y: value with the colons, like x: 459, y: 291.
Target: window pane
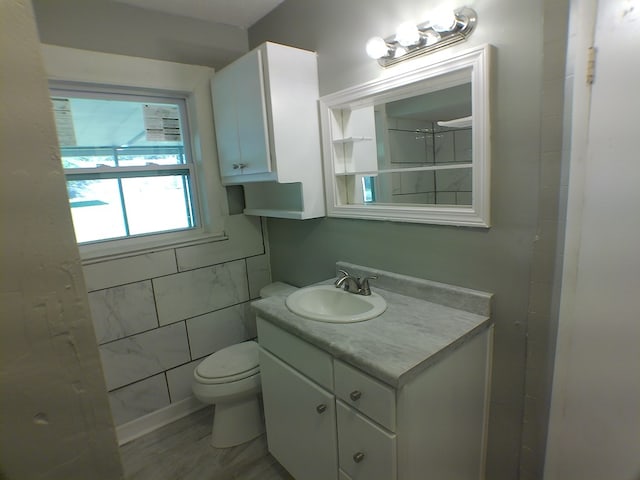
x: 96, y: 209
x: 99, y: 122
x: 155, y: 204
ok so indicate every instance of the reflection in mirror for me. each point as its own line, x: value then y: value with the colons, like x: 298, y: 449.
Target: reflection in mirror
x: 423, y: 131
x: 412, y: 147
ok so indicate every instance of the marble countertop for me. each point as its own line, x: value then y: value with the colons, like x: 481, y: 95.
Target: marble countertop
x: 410, y: 335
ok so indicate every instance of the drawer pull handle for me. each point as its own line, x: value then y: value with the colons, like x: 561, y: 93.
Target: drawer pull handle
x: 358, y: 457
x: 321, y: 408
x: 240, y: 166
x: 355, y: 395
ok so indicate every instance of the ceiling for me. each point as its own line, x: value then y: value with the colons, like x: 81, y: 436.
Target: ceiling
x: 240, y: 13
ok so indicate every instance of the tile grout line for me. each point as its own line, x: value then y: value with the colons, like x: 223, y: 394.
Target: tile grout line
x: 175, y: 322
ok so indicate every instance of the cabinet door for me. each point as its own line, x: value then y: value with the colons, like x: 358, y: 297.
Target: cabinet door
x: 240, y: 115
x: 253, y: 131
x: 226, y: 121
x: 300, y: 417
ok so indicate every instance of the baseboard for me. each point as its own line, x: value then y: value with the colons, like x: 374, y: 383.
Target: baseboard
x: 141, y: 426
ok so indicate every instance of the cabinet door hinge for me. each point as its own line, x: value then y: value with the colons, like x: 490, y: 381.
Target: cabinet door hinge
x: 591, y: 65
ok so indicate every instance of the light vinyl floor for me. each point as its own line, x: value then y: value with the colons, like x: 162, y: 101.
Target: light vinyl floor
x: 181, y: 451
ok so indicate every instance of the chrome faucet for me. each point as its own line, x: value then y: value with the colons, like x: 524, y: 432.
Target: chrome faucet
x: 351, y: 284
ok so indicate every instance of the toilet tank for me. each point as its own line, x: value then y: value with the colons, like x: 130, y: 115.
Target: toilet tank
x: 277, y: 289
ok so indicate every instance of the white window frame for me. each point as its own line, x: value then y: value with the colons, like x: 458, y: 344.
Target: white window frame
x: 192, y: 82
x: 93, y: 92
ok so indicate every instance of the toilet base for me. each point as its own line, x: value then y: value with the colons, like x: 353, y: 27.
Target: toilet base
x: 237, y: 422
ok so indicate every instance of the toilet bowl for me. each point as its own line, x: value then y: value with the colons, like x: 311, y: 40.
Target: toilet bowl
x: 230, y: 380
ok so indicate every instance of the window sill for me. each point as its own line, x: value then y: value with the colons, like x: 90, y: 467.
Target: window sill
x: 130, y: 247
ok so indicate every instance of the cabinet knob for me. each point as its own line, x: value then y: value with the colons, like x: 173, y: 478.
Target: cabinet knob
x: 358, y: 457
x: 321, y: 408
x: 240, y: 166
x: 355, y: 395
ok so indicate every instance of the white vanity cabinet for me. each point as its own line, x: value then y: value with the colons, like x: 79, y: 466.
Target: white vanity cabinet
x: 327, y: 419
x: 267, y: 131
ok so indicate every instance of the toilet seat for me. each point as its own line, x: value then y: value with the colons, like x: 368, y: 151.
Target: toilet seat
x: 230, y: 364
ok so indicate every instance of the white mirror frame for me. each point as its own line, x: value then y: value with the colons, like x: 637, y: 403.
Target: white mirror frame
x: 403, y: 85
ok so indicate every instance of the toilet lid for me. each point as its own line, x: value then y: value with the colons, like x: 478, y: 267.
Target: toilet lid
x: 239, y: 360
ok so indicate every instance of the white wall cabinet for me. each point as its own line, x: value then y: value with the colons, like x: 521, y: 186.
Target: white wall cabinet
x: 267, y: 130
x: 432, y: 427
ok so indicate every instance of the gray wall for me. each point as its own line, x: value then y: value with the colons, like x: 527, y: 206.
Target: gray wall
x: 55, y: 416
x: 500, y: 259
x: 112, y: 27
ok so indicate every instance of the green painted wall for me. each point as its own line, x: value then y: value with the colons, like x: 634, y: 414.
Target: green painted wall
x: 498, y: 259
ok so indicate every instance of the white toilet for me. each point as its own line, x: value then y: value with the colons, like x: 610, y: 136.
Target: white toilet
x: 230, y: 379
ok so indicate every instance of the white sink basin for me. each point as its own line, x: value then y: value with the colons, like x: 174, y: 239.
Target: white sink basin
x: 326, y: 303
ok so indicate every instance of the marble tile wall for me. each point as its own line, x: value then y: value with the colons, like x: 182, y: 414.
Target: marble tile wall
x: 157, y: 315
x: 413, y: 182
x: 199, y: 291
x: 410, y: 148
x: 122, y: 311
x: 454, y: 186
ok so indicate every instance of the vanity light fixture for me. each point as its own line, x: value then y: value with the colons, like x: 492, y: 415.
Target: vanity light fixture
x: 442, y: 30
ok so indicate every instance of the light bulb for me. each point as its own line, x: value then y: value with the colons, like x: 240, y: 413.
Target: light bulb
x: 407, y: 34
x: 399, y: 52
x: 430, y: 37
x: 443, y: 21
x: 377, y: 48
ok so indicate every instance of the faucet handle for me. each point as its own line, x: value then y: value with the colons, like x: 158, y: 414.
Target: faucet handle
x: 341, y: 274
x: 364, y: 285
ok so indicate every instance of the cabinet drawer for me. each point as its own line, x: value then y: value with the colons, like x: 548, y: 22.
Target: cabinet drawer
x: 372, y: 397
x: 365, y: 451
x: 304, y: 357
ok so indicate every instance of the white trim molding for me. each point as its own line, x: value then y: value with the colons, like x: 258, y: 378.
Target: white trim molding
x: 469, y: 66
x: 82, y: 69
x: 129, y: 431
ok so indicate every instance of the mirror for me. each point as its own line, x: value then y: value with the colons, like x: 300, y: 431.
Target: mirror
x: 412, y: 147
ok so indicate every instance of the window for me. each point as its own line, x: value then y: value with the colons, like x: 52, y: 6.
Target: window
x: 127, y: 166
x: 187, y: 168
